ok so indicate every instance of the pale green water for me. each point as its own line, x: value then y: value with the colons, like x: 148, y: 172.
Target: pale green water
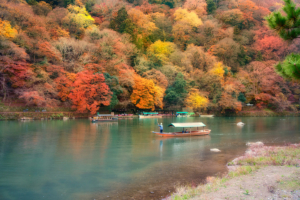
x: 79, y: 160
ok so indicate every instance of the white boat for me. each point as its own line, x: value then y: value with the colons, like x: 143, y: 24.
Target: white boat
x: 187, y: 133
x: 182, y: 114
x: 149, y: 115
x: 206, y: 116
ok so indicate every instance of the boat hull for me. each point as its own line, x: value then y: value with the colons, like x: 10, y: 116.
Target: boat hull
x: 144, y: 117
x: 104, y: 120
x: 180, y: 134
x: 206, y: 115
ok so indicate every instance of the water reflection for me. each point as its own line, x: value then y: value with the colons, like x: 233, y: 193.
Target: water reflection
x: 77, y: 159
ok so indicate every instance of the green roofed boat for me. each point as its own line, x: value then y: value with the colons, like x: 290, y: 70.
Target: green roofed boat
x: 150, y: 115
x: 198, y: 129
x: 182, y: 114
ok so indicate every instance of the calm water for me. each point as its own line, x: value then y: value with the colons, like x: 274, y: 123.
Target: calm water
x: 79, y: 160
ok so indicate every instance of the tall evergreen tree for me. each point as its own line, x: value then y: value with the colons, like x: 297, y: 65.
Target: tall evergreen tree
x: 288, y: 28
x: 176, y: 93
x: 122, y: 23
x: 211, y: 6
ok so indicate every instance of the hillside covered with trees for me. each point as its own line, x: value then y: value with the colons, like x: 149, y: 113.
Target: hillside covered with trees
x: 212, y: 55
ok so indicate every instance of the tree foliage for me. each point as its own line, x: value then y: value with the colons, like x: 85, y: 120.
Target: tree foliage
x: 146, y: 95
x: 196, y: 101
x: 159, y: 53
x: 89, y: 91
x: 288, y: 25
x: 161, y: 50
x: 6, y: 30
x: 190, y: 18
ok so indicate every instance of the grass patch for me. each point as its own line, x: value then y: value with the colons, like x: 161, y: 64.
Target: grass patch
x: 213, y: 184
x: 278, y: 156
x: 290, y: 183
x: 257, y: 156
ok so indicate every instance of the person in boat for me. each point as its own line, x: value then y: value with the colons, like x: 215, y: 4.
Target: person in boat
x: 161, y: 127
x: 186, y: 130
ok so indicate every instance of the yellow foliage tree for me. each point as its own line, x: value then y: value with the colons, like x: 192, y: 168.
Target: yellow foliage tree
x: 78, y: 17
x: 218, y: 70
x: 162, y: 50
x: 196, y: 101
x: 189, y: 17
x: 6, y: 30
x: 146, y: 95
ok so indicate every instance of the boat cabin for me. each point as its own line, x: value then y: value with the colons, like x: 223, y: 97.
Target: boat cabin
x: 187, y: 127
x: 150, y: 113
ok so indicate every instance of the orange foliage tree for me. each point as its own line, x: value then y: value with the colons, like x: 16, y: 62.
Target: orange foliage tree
x: 6, y: 30
x: 146, y: 95
x: 89, y: 91
x: 229, y: 99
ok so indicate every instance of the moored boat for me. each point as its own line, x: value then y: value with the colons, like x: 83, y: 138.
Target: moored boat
x: 150, y: 115
x: 104, y: 118
x: 206, y: 115
x: 185, y: 133
x: 182, y: 114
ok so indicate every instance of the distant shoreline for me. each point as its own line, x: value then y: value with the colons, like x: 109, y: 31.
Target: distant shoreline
x: 75, y: 115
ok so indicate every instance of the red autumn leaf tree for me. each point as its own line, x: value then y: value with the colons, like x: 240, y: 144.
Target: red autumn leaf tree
x: 89, y: 91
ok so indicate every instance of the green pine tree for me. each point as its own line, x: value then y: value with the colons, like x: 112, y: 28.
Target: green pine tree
x: 122, y: 23
x: 288, y: 28
x: 211, y: 6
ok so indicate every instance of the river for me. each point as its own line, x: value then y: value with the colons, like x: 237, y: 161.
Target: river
x: 78, y: 160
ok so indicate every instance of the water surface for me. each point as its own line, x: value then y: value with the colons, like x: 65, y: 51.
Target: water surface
x: 122, y: 160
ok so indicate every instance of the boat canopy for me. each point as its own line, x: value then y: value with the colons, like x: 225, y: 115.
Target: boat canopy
x: 187, y: 125
x: 104, y: 115
x: 150, y: 113
x: 182, y: 112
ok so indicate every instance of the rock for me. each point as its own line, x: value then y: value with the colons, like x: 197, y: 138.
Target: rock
x: 26, y: 118
x: 215, y: 150
x: 256, y: 144
x: 240, y: 124
x: 65, y: 118
x: 152, y: 192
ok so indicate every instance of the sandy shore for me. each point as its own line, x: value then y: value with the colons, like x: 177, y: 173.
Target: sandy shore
x: 264, y: 172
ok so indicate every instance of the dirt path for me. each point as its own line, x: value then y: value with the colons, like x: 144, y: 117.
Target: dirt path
x: 272, y: 182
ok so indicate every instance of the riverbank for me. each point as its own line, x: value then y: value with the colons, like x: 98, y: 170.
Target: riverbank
x: 264, y: 172
x: 41, y: 115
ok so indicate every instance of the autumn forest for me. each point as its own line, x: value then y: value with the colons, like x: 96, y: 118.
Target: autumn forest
x: 213, y: 56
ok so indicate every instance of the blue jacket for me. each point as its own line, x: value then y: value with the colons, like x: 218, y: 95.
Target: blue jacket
x: 161, y: 127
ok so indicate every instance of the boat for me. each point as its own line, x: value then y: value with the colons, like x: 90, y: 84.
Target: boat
x: 149, y: 115
x: 182, y: 114
x: 190, y: 132
x: 206, y: 115
x: 104, y: 118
